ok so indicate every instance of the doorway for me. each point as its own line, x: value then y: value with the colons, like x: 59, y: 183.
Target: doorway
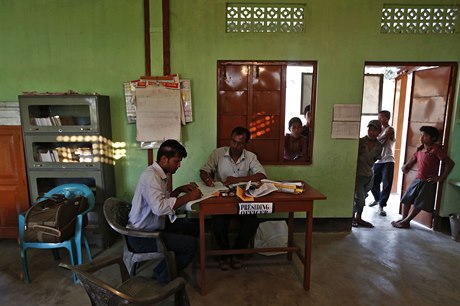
x: 416, y: 94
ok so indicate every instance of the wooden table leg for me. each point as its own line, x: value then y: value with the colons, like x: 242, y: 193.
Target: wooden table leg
x: 202, y: 255
x: 290, y: 233
x: 307, y: 260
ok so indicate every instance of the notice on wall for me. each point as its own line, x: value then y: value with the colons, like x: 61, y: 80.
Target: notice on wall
x: 346, y: 121
x: 158, y: 113
x: 347, y: 112
x: 345, y: 130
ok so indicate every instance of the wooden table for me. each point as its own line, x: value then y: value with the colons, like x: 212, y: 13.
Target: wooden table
x: 282, y: 202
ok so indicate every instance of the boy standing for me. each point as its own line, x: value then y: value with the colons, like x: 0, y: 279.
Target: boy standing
x: 369, y: 151
x: 384, y: 168
x: 422, y: 191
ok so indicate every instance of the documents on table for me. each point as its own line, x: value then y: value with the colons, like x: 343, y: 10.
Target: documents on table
x: 208, y: 192
x: 290, y: 187
x: 252, y: 191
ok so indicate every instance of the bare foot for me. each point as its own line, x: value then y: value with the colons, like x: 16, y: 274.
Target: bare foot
x: 400, y: 224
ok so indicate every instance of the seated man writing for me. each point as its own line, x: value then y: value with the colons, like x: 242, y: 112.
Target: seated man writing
x: 232, y: 165
x: 153, y: 209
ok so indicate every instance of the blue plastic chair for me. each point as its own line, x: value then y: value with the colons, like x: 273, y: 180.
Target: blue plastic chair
x: 73, y: 244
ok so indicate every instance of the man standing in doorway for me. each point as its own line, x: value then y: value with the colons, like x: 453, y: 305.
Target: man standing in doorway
x: 384, y: 168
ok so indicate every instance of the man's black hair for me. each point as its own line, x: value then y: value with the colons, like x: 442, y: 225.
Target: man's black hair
x: 171, y: 148
x: 294, y: 120
x: 432, y: 131
x: 307, y: 109
x: 386, y: 113
x: 239, y: 130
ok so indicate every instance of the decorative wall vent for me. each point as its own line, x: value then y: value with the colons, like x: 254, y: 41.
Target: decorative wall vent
x: 265, y: 18
x: 419, y: 19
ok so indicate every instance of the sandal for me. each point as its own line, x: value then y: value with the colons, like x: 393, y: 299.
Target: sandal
x: 363, y: 223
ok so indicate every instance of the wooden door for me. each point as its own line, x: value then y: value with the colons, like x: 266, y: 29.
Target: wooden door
x: 430, y: 104
x: 13, y: 181
x: 398, y: 122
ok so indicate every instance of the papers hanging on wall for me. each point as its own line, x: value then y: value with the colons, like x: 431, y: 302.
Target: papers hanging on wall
x: 168, y: 81
x: 347, y: 112
x: 345, y: 124
x: 345, y: 130
x: 158, y: 113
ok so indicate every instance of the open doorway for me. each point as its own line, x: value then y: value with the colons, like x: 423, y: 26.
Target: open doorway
x: 416, y: 94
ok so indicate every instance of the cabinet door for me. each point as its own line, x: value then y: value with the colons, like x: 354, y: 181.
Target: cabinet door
x: 65, y: 114
x: 67, y: 152
x: 13, y: 182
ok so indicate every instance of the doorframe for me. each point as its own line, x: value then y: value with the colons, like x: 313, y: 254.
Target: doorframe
x: 409, y: 67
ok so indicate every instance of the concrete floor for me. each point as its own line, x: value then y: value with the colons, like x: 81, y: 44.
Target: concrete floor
x: 380, y: 266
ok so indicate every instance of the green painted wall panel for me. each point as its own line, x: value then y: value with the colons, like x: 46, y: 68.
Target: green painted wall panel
x: 96, y: 45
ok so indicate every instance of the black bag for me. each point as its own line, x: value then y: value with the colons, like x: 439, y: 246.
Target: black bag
x: 52, y: 219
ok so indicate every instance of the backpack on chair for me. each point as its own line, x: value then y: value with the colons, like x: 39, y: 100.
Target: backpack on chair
x: 52, y: 219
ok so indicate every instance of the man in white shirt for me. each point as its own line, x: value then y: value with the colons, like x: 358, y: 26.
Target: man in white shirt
x: 230, y: 165
x: 154, y: 208
x: 384, y: 168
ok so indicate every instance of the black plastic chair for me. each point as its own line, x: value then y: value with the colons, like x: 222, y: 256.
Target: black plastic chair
x: 116, y: 212
x: 136, y: 290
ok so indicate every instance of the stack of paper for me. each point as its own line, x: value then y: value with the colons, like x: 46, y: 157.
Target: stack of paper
x: 290, y: 187
x: 252, y: 191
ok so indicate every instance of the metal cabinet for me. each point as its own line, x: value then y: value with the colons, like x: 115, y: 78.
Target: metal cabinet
x: 67, y: 139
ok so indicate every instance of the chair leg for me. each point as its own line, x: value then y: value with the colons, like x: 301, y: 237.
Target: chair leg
x: 88, y: 250
x: 56, y: 254
x: 73, y: 258
x: 25, y: 266
x: 181, y: 298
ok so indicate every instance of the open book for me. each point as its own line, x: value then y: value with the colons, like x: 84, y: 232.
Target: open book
x: 208, y: 192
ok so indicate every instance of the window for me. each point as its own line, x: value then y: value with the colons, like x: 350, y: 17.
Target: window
x: 263, y: 97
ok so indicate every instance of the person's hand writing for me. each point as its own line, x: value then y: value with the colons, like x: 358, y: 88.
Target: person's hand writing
x: 209, y: 181
x: 231, y: 180
x: 195, y: 194
x: 189, y: 187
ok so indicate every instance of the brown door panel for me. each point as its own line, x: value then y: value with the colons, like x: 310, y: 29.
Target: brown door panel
x: 265, y: 127
x: 224, y: 142
x: 233, y: 102
x: 233, y: 77
x: 431, y: 82
x: 429, y: 96
x: 267, y: 78
x: 266, y: 150
x: 8, y: 173
x: 13, y: 183
x: 267, y: 102
x: 428, y: 110
x: 228, y: 123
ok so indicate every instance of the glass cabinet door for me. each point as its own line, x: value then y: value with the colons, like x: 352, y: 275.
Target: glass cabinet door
x: 58, y: 114
x: 68, y: 151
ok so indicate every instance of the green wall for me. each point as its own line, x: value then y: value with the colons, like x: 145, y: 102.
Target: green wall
x: 96, y: 45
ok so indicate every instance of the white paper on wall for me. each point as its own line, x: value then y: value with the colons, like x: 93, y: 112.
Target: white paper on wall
x: 158, y: 113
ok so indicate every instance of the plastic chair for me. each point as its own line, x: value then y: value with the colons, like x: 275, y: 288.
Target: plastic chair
x: 136, y: 290
x: 73, y: 244
x: 116, y: 213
